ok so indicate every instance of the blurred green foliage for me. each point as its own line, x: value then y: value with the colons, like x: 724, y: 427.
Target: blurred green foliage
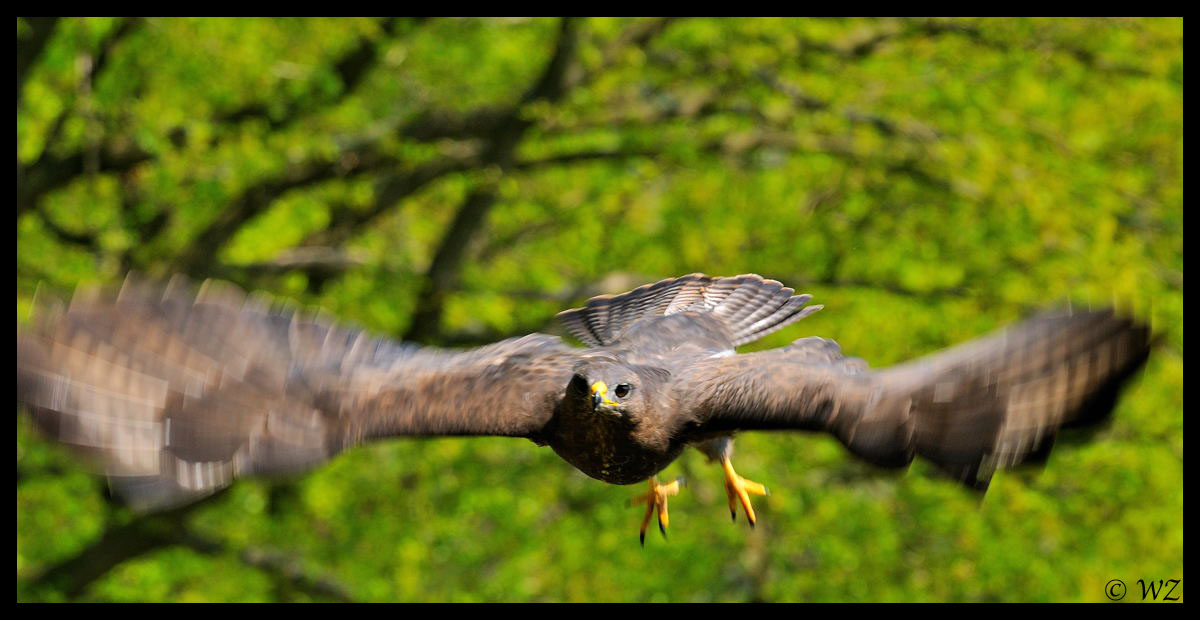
x: 459, y: 180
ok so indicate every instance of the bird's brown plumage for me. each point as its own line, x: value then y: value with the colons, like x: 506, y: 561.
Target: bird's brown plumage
x: 175, y: 394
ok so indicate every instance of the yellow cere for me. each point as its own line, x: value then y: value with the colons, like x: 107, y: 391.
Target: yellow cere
x: 601, y: 388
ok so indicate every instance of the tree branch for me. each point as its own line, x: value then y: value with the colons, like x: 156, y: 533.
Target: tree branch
x: 51, y: 171
x: 345, y: 222
x: 502, y: 128
x: 201, y: 254
x: 149, y: 533
x: 118, y: 543
x: 282, y: 567
x: 86, y: 241
x: 485, y: 120
x: 30, y: 47
x: 351, y: 68
x: 443, y: 271
x: 582, y: 157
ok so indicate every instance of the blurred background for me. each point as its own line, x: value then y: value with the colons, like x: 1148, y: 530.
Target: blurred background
x: 457, y: 181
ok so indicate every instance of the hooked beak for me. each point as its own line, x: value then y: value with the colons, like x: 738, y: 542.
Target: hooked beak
x: 600, y: 396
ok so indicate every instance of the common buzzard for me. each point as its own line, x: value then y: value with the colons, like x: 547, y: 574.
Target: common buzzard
x: 176, y: 393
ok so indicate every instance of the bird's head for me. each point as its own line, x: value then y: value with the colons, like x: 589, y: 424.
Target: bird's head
x: 611, y: 388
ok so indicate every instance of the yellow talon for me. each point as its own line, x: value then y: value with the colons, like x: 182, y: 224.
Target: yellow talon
x: 739, y: 489
x: 656, y: 499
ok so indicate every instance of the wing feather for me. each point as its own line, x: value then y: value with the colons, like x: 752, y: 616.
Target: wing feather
x: 748, y: 306
x: 995, y: 402
x: 175, y: 394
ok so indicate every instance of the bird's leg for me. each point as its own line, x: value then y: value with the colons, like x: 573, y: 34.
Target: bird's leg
x: 739, y: 489
x: 656, y: 498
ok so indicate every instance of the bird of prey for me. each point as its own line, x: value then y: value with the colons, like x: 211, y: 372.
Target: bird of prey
x: 177, y: 393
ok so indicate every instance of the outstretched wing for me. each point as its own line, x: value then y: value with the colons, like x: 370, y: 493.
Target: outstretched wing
x: 175, y: 394
x: 994, y: 402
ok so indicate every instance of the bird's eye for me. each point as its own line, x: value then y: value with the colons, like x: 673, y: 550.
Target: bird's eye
x: 622, y: 390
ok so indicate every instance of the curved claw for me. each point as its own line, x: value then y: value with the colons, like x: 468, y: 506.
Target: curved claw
x: 656, y: 499
x: 739, y: 489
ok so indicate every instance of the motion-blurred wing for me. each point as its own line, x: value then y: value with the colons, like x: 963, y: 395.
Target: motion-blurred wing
x: 990, y: 403
x: 175, y: 394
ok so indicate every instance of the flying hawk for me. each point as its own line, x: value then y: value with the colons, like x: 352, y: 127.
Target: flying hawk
x: 177, y: 393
